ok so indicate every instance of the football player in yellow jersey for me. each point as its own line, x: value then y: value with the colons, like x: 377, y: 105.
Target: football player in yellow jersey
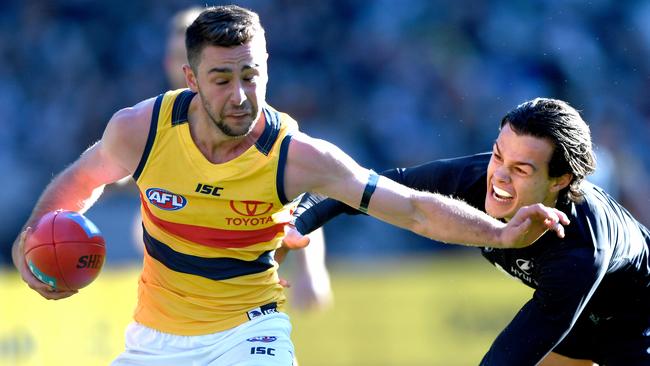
x: 310, y: 284
x: 222, y: 127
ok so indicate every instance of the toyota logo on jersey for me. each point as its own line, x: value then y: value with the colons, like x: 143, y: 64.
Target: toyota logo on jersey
x: 250, y: 213
x: 165, y: 200
x: 251, y: 208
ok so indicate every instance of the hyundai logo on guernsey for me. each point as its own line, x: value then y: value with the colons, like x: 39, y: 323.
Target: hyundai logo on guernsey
x: 165, y: 200
x: 523, y: 270
x: 524, y: 265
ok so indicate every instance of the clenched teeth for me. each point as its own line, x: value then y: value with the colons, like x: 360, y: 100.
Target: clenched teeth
x: 501, y: 193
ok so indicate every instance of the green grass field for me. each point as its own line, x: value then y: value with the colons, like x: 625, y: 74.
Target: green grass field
x: 432, y: 311
x: 441, y: 310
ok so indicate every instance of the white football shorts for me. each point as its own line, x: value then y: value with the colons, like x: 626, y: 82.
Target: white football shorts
x: 263, y: 341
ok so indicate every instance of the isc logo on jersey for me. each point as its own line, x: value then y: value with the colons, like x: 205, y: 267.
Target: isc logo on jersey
x: 165, y: 200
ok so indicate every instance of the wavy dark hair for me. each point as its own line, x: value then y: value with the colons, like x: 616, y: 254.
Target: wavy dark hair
x: 222, y: 26
x: 561, y: 124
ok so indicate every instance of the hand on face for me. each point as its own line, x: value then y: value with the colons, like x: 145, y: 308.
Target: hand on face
x: 518, y: 174
x: 530, y: 223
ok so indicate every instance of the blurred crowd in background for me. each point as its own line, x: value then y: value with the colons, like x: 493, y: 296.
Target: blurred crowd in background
x: 393, y: 83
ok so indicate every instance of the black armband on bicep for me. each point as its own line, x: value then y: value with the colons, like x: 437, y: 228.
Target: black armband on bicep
x: 315, y: 210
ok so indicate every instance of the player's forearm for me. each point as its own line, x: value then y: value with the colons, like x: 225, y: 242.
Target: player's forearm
x: 453, y: 221
x: 314, y: 211
x: 434, y: 216
x: 312, y: 258
x: 16, y: 255
x: 69, y: 190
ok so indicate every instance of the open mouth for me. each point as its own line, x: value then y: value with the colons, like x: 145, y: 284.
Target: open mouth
x: 501, y: 195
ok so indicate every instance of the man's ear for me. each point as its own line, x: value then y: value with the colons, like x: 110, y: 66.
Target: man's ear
x: 190, y: 78
x: 561, y: 182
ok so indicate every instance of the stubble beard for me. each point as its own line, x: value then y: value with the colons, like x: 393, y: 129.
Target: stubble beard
x: 227, y: 130
x: 223, y: 127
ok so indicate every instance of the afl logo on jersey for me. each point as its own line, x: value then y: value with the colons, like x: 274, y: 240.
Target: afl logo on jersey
x: 165, y: 200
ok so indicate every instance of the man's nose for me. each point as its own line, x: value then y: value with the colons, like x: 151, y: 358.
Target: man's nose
x: 238, y: 95
x: 501, y: 174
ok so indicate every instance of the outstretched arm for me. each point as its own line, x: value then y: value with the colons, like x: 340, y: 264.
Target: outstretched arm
x: 315, y: 210
x: 317, y: 166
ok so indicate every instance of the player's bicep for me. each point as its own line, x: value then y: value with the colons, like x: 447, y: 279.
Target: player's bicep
x: 117, y: 154
x: 317, y: 166
x: 320, y: 167
x: 98, y: 166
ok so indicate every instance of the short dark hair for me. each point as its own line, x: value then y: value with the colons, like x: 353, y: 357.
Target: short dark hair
x: 223, y: 26
x: 563, y: 126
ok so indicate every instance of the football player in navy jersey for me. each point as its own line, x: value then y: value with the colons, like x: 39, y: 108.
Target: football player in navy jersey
x: 591, y: 302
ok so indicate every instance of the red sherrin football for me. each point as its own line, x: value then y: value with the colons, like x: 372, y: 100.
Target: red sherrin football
x: 65, y: 250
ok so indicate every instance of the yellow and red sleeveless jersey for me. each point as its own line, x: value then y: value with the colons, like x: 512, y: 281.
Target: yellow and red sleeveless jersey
x: 209, y: 229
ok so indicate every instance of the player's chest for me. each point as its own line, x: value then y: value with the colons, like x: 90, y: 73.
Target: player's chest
x: 226, y: 204
x: 522, y: 265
